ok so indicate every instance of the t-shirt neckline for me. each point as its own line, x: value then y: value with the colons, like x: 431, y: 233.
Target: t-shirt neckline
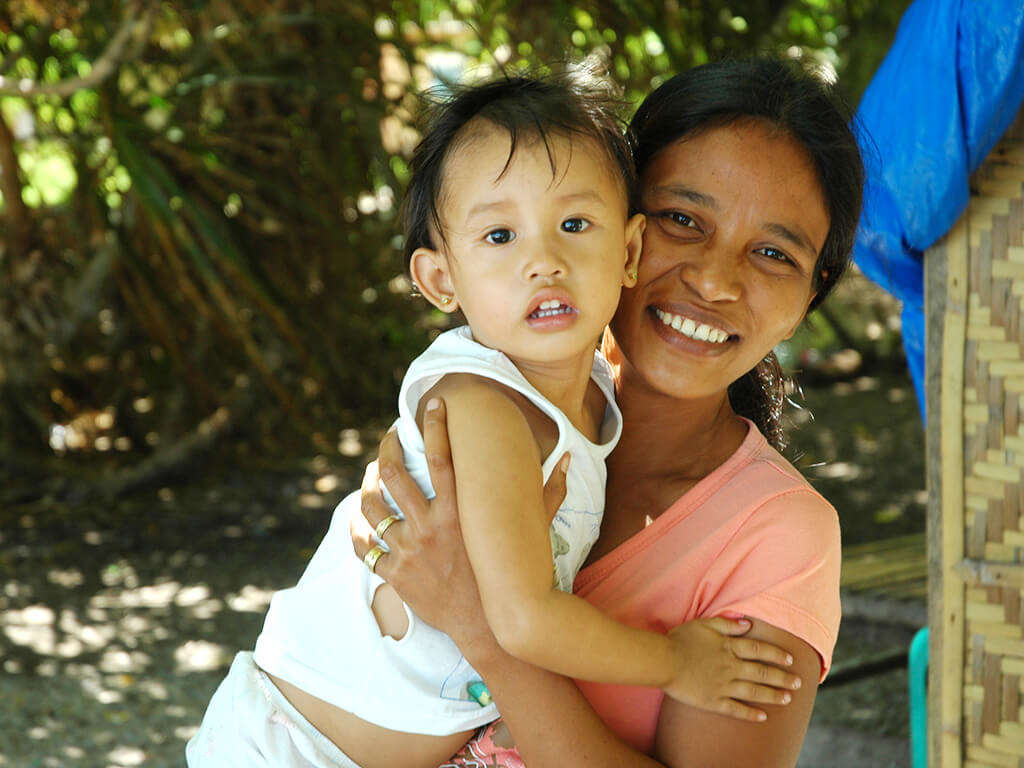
x: 752, y: 444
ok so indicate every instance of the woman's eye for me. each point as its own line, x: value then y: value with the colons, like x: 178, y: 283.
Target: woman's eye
x: 575, y: 225
x: 500, y: 236
x: 775, y: 255
x: 677, y: 223
x: 677, y: 217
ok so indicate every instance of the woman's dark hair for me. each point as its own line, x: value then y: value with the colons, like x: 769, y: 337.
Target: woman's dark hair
x: 574, y: 102
x: 802, y: 106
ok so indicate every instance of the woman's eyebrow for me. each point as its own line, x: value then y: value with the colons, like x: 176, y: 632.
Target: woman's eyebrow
x: 686, y: 193
x: 794, y: 236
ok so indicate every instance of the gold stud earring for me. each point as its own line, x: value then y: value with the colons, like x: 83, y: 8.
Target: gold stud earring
x: 446, y: 300
x: 631, y: 275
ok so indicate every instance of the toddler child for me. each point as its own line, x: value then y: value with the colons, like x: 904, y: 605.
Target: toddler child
x: 517, y: 214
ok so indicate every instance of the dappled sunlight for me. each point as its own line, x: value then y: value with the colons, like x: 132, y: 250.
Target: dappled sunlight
x: 111, y: 628
x: 860, y: 443
x: 201, y: 656
x: 107, y: 661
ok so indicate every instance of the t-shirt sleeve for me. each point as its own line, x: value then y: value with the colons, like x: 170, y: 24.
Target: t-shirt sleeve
x: 782, y: 567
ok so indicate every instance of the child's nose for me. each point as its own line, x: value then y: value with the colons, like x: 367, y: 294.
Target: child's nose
x: 545, y: 262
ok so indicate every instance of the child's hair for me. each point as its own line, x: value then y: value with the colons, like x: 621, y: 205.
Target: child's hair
x: 574, y: 102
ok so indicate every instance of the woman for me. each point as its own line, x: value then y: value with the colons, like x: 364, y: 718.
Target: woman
x: 751, y: 182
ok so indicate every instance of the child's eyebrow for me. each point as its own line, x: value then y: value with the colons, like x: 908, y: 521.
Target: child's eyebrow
x: 497, y: 205
x: 589, y: 196
x: 480, y: 208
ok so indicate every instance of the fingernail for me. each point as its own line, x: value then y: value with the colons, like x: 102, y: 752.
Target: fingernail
x: 762, y: 716
x: 565, y: 462
x: 789, y: 659
x: 745, y: 623
x: 797, y: 684
x: 785, y: 698
x: 433, y: 404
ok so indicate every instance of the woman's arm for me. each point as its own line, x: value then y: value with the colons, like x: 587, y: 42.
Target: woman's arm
x: 693, y: 737
x: 553, y: 722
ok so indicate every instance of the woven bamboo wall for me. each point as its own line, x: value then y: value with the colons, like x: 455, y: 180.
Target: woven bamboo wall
x: 975, y: 302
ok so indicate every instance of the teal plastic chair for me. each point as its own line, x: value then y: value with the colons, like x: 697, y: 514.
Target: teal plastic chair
x: 917, y: 674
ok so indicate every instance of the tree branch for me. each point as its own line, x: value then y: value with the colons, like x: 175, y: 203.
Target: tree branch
x: 103, y: 67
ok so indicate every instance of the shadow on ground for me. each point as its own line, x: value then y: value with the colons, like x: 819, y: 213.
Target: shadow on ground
x: 116, y: 623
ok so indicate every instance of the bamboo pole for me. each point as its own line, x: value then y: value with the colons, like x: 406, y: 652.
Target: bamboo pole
x: 949, y: 660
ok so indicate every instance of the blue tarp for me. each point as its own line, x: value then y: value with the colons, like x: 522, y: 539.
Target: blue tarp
x: 948, y: 89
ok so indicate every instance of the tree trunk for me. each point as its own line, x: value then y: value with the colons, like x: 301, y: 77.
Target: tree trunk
x: 15, y: 213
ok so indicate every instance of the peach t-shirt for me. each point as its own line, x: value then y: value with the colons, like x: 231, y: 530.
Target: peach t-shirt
x: 751, y: 538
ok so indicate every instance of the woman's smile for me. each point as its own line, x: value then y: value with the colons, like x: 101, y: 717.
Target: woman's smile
x: 694, y: 328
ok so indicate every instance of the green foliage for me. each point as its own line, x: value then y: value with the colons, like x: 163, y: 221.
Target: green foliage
x: 216, y: 218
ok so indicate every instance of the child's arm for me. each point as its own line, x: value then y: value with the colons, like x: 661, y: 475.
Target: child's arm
x: 499, y: 491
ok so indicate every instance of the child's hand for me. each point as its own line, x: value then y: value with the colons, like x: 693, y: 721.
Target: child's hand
x: 718, y: 672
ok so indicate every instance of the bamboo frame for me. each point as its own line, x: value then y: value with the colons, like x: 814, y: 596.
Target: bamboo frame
x: 974, y: 295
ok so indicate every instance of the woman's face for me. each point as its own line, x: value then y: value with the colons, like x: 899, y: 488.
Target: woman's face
x: 735, y: 221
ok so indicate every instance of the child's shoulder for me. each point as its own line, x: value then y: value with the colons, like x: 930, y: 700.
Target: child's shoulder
x: 470, y: 389
x: 494, y: 409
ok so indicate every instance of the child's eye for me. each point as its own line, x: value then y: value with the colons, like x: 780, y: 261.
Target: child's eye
x: 500, y: 236
x: 575, y: 225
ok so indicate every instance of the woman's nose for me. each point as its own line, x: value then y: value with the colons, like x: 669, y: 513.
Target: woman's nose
x: 713, y: 276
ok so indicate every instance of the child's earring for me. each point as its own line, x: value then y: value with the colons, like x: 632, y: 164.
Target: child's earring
x: 446, y: 300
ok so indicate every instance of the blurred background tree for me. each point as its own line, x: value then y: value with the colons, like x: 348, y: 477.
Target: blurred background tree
x: 198, y: 199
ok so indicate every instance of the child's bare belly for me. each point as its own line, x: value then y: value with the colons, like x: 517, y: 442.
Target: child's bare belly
x: 369, y: 745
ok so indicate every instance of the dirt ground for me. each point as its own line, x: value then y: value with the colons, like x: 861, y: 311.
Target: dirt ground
x: 116, y: 623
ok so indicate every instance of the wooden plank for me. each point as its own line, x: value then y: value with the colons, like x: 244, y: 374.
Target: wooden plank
x: 951, y: 461
x: 992, y: 679
x: 914, y: 542
x: 935, y: 304
x: 1011, y: 704
x: 1003, y: 744
x: 989, y: 574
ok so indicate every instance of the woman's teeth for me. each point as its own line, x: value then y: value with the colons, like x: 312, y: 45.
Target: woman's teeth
x: 692, y: 329
x: 550, y: 309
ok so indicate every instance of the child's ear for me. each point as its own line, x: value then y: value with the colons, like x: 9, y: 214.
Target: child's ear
x: 429, y: 270
x: 634, y: 246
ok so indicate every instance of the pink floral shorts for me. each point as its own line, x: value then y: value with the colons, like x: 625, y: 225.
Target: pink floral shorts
x: 491, y: 747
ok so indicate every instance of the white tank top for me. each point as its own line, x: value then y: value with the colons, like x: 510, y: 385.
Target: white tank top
x: 321, y: 634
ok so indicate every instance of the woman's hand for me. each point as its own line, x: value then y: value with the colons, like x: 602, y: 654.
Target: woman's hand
x: 427, y: 563
x: 719, y: 672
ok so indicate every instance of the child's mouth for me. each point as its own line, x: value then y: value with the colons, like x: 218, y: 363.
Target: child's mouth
x: 551, y: 309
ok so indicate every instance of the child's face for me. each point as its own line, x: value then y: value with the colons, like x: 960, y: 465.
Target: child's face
x: 535, y: 260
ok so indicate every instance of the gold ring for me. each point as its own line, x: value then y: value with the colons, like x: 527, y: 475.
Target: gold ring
x: 370, y: 558
x: 384, y: 524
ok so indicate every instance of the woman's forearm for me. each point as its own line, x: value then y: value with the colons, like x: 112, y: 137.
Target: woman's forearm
x: 551, y: 721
